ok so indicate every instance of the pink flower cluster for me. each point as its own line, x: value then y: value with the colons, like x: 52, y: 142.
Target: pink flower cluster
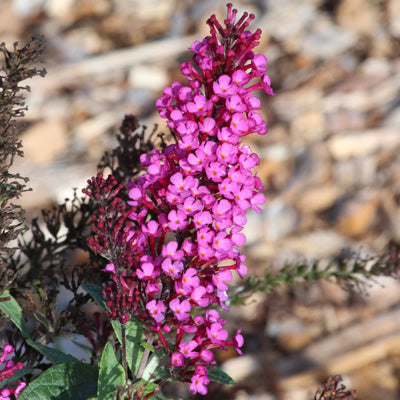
x: 8, y: 371
x: 189, y: 206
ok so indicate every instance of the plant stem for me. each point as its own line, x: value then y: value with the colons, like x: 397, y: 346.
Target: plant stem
x: 145, y: 357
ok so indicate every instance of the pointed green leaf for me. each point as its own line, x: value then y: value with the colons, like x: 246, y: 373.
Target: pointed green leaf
x: 148, y: 346
x: 217, y: 375
x: 151, y: 366
x: 111, y: 375
x: 14, y: 311
x: 74, y: 381
x: 145, y: 387
x: 97, y: 294
x: 134, y: 338
x: 52, y: 354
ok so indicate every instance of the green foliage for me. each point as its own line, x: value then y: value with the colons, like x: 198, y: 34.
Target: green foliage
x: 217, y: 375
x: 96, y: 293
x: 12, y: 309
x: 134, y: 339
x: 74, y: 381
x: 111, y: 374
x: 347, y: 269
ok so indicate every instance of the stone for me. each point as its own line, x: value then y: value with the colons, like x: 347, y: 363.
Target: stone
x: 45, y: 141
x: 317, y: 243
x: 357, y: 215
x: 279, y: 220
x: 318, y: 198
x: 326, y: 40
x: 360, y: 16
x: 253, y: 228
x: 353, y: 172
x: 357, y: 144
x: 239, y: 368
x: 394, y: 17
x: 309, y: 126
x: 148, y: 77
x: 290, y: 104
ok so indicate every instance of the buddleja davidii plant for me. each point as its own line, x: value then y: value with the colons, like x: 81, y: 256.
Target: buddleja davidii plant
x: 17, y: 66
x: 184, y: 216
x: 45, y: 260
x: 165, y: 244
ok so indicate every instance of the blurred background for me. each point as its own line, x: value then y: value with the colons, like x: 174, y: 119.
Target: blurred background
x: 330, y: 161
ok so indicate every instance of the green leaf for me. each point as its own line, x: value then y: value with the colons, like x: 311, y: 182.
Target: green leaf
x: 14, y: 311
x: 74, y: 381
x: 52, y: 354
x: 148, y: 346
x: 147, y: 387
x: 162, y: 373
x: 97, y: 294
x: 151, y: 366
x: 111, y: 375
x: 217, y: 375
x: 134, y: 338
x: 19, y: 373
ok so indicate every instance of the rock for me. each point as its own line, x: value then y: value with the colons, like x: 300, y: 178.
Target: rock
x: 297, y: 17
x: 355, y: 172
x: 316, y: 244
x: 394, y: 17
x: 290, y: 104
x: 279, y: 220
x: 318, y: 198
x: 325, y: 40
x: 360, y: 16
x: 148, y: 77
x: 239, y: 368
x: 89, y: 136
x: 253, y: 228
x: 357, y: 215
x: 45, y: 141
x: 309, y: 126
x: 357, y: 144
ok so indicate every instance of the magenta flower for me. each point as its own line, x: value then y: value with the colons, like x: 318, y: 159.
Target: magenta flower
x: 202, y: 219
x: 187, y: 349
x: 199, y: 384
x: 177, y: 220
x: 181, y: 309
x: 199, y: 296
x: 156, y: 309
x: 190, y: 278
x: 223, y: 87
x: 172, y: 268
x: 8, y: 371
x: 216, y: 333
x: 171, y: 250
x: 177, y: 359
x: 238, y: 339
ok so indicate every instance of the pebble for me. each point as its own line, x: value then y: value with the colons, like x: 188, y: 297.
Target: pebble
x: 326, y: 40
x: 318, y: 198
x: 316, y: 244
x: 357, y: 215
x: 239, y: 368
x: 45, y: 141
x: 358, y: 144
x: 279, y: 220
x: 360, y: 16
